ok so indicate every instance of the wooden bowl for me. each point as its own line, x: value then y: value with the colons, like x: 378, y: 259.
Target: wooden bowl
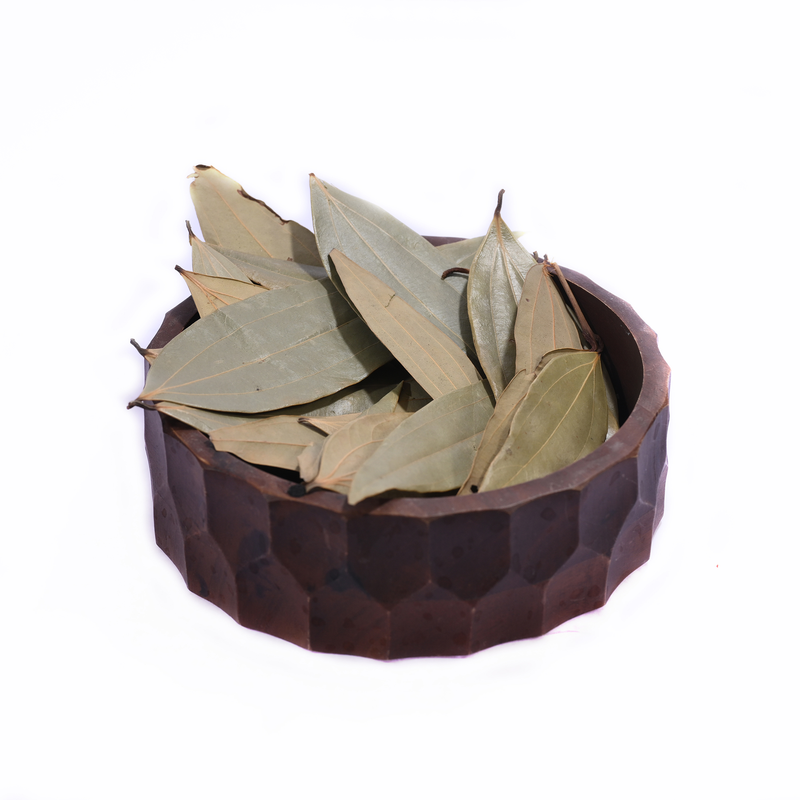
x: 443, y: 576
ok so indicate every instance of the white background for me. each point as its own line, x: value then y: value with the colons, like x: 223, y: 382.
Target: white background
x: 653, y: 147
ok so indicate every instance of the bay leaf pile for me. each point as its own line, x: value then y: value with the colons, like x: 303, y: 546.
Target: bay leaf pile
x: 370, y: 361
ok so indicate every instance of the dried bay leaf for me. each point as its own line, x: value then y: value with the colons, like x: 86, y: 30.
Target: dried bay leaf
x: 388, y: 404
x: 462, y: 253
x: 543, y: 322
x: 350, y: 401
x: 210, y: 293
x: 272, y: 442
x: 328, y: 424
x: 494, y: 288
x: 497, y: 428
x: 432, y: 450
x: 276, y: 349
x: 382, y: 245
x: 430, y: 356
x: 207, y: 261
x: 343, y: 452
x: 563, y: 417
x: 308, y: 462
x: 273, y: 273
x: 357, y: 398
x: 202, y: 419
x: 230, y: 217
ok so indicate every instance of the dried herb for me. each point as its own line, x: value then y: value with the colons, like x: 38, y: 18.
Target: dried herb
x: 210, y: 293
x: 429, y: 355
x: 495, y: 284
x: 276, y: 349
x: 230, y: 217
x: 357, y: 358
x: 432, y: 450
x: 405, y: 261
x: 273, y: 442
x: 563, y: 417
x: 543, y: 322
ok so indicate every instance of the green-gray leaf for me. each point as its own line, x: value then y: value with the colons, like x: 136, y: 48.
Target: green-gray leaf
x: 272, y: 442
x: 563, y: 417
x: 350, y: 401
x: 207, y: 261
x: 494, y: 288
x: 395, y: 254
x: 497, y: 429
x: 210, y: 293
x: 462, y: 253
x: 273, y: 273
x: 432, y: 450
x: 344, y: 451
x: 277, y: 349
x: 421, y: 347
x: 230, y: 217
x: 202, y: 419
x: 543, y: 322
x: 330, y: 424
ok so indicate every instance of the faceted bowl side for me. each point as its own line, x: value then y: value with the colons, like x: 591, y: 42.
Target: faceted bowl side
x: 421, y: 576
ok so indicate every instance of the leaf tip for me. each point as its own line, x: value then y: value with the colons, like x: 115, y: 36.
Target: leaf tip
x: 499, y: 202
x: 197, y: 169
x: 192, y: 236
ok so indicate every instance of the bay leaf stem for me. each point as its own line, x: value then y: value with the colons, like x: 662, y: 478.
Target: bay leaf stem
x: 453, y: 270
x: 592, y: 339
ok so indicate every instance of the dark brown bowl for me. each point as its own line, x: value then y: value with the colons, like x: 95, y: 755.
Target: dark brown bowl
x: 442, y: 576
